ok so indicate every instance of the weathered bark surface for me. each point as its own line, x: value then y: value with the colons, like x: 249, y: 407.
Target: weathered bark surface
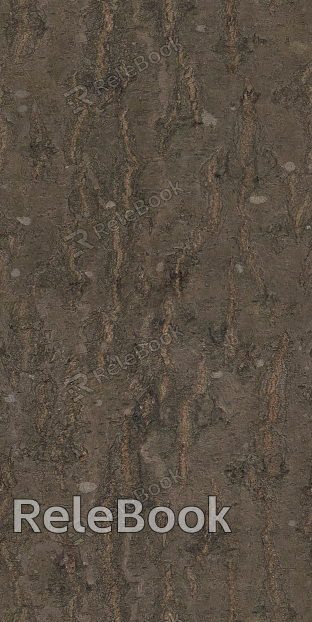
x: 227, y: 116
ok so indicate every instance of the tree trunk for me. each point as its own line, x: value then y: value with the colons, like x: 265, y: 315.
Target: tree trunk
x: 156, y: 269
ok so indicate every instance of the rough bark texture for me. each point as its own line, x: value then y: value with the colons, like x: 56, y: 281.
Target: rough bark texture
x: 224, y: 114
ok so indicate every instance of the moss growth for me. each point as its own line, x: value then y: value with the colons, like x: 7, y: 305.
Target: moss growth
x: 9, y: 615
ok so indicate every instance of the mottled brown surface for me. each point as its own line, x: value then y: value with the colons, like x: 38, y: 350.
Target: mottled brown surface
x: 228, y: 404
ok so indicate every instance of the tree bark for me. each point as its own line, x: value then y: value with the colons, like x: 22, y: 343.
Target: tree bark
x: 156, y: 163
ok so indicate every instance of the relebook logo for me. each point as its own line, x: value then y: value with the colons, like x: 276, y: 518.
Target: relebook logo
x: 101, y: 514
